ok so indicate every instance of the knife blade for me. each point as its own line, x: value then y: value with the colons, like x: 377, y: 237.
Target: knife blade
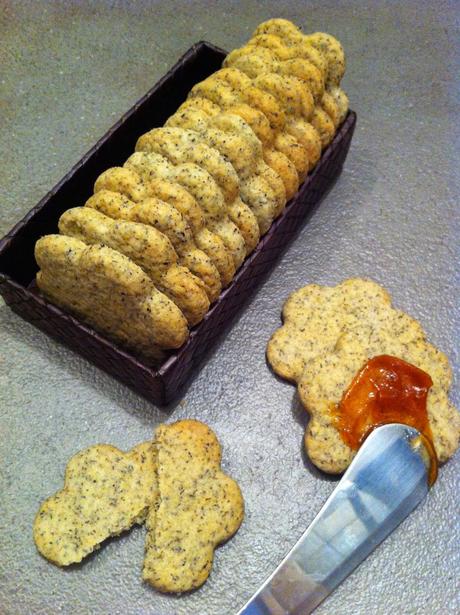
x: 391, y: 474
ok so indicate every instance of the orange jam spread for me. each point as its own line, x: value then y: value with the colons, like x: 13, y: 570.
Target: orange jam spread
x: 385, y: 390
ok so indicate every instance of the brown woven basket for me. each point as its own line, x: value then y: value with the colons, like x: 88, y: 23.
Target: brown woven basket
x: 18, y: 268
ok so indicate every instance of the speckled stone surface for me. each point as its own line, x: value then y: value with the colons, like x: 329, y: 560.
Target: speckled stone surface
x: 68, y: 71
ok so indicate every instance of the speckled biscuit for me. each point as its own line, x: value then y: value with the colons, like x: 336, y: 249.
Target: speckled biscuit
x: 297, y: 154
x: 273, y: 43
x: 143, y: 244
x: 263, y: 192
x: 324, y: 125
x: 215, y: 91
x: 323, y: 50
x: 283, y: 28
x: 148, y: 248
x: 235, y: 148
x: 333, y: 51
x: 149, y: 166
x: 341, y: 100
x: 256, y: 192
x: 328, y: 335
x: 105, y: 492
x: 205, y: 192
x: 315, y: 316
x: 244, y: 218
x: 288, y: 47
x: 151, y: 211
x: 177, y: 196
x: 110, y: 292
x: 210, y: 198
x: 255, y: 61
x: 190, y: 117
x: 252, y: 95
x: 306, y: 71
x: 252, y: 62
x: 234, y: 124
x: 165, y: 218
x: 280, y: 163
x: 231, y: 101
x: 124, y: 180
x: 329, y: 104
x: 198, y: 508
x: 203, y: 104
x: 180, y: 145
x: 267, y: 104
x: 257, y: 120
x: 303, y: 86
x: 326, y: 378
x: 298, y: 103
x: 291, y: 93
x: 275, y: 181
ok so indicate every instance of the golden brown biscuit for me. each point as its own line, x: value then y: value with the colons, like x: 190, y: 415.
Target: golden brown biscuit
x: 110, y: 292
x: 288, y: 48
x: 105, y: 493
x: 307, y: 136
x: 257, y: 120
x: 273, y: 179
x: 326, y: 378
x: 235, y: 148
x: 244, y: 218
x: 202, y: 104
x: 148, y: 248
x: 329, y: 104
x: 341, y: 100
x: 257, y: 193
x: 315, y: 316
x: 124, y: 180
x: 190, y: 117
x: 167, y: 219
x: 180, y: 145
x: 149, y: 166
x: 143, y: 244
x: 273, y: 43
x: 280, y: 163
x: 215, y: 91
x: 297, y: 154
x: 329, y: 333
x: 333, y: 51
x: 199, y: 507
x: 283, y: 28
x: 324, y: 125
x: 251, y: 61
x: 306, y: 71
x: 229, y: 252
x: 291, y: 93
x: 177, y: 196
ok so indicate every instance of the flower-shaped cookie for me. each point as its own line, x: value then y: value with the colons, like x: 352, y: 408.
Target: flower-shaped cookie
x: 329, y: 333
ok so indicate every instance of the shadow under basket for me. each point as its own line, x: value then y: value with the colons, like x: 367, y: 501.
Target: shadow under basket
x: 164, y: 383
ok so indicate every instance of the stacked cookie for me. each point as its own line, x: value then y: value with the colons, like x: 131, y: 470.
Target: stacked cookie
x: 152, y: 249
x: 328, y: 334
x: 173, y: 483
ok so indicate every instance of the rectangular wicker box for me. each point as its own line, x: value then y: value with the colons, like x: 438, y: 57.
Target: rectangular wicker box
x: 18, y: 267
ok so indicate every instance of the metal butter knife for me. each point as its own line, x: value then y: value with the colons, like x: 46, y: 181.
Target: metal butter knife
x: 391, y: 473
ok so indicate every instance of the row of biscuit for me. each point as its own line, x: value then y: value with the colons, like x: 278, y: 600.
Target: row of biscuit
x: 162, y: 235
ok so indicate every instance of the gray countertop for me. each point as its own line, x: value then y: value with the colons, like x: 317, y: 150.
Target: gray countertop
x: 68, y: 71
